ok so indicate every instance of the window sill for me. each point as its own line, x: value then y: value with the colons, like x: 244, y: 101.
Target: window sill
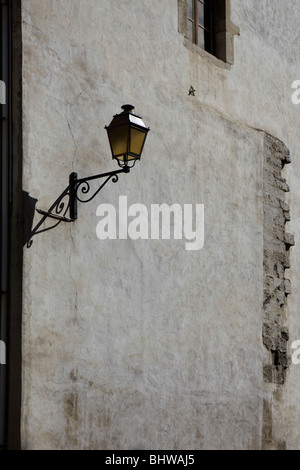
x: 198, y: 50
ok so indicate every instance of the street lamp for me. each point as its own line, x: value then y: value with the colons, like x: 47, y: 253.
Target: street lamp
x: 126, y: 134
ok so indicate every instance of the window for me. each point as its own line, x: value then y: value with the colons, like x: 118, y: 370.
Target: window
x: 207, y: 25
x: 201, y: 24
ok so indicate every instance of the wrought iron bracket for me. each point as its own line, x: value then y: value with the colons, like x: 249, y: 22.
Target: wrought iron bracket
x: 54, y: 216
x: 67, y: 201
x: 81, y: 187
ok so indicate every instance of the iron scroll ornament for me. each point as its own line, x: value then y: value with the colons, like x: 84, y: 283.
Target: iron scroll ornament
x: 84, y: 187
x: 67, y: 201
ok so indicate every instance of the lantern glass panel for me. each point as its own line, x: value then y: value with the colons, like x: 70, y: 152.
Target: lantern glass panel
x: 118, y: 137
x: 137, y: 141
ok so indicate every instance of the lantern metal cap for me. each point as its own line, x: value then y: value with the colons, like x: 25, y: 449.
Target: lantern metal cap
x: 127, y: 117
x: 127, y: 108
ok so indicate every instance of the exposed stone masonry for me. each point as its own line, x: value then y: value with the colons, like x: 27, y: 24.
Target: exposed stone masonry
x: 277, y: 244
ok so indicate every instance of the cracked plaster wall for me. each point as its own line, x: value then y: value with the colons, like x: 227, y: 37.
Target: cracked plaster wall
x: 140, y: 344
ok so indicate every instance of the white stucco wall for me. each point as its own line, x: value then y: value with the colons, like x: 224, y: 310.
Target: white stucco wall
x: 142, y: 344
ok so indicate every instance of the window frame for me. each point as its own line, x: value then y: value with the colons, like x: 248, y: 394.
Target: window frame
x: 208, y: 46
x: 222, y: 52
